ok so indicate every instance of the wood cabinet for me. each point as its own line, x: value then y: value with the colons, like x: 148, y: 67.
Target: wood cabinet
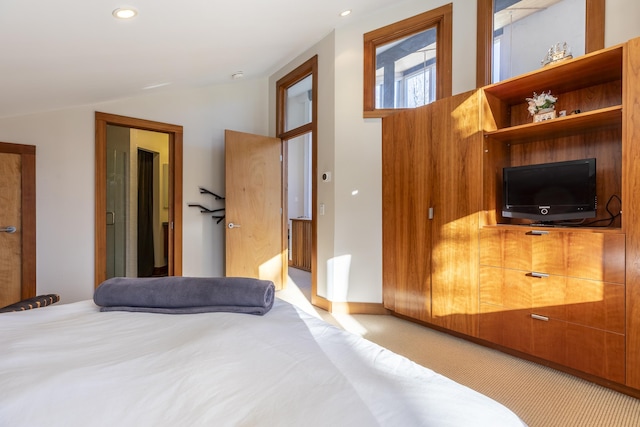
x: 431, y: 199
x: 569, y: 295
x: 557, y: 295
x: 301, y: 243
x: 566, y: 292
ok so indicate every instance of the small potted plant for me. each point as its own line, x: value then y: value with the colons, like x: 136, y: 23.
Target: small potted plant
x: 542, y: 107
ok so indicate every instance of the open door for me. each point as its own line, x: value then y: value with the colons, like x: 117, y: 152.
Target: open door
x: 17, y: 223
x: 255, y: 239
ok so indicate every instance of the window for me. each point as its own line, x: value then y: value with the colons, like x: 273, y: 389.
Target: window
x: 504, y: 27
x: 402, y: 60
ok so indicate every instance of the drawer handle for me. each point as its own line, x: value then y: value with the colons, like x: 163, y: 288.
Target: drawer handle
x: 538, y: 317
x: 538, y: 275
x: 537, y: 232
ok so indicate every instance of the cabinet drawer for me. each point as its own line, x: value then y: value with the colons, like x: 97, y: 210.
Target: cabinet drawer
x: 586, y: 349
x: 506, y: 327
x: 589, y: 350
x: 506, y: 248
x: 586, y: 302
x: 596, y: 256
x: 511, y: 289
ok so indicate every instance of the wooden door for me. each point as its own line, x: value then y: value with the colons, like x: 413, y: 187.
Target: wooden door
x: 17, y: 223
x: 406, y: 230
x: 255, y: 240
x: 456, y: 147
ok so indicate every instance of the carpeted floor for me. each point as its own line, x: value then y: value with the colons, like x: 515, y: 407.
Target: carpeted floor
x: 541, y: 396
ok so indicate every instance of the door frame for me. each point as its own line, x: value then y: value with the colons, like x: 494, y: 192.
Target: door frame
x: 28, y: 214
x: 310, y: 67
x: 175, y: 189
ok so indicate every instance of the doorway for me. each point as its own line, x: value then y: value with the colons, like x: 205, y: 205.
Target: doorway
x: 117, y: 225
x: 296, y: 125
x: 17, y: 223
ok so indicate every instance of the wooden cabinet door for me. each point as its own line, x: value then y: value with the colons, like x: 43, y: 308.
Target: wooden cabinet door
x: 406, y: 230
x: 456, y: 146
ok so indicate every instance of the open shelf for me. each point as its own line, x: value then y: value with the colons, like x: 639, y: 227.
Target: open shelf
x: 565, y: 76
x: 561, y: 126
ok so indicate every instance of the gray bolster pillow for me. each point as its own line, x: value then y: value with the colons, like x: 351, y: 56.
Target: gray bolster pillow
x: 184, y: 295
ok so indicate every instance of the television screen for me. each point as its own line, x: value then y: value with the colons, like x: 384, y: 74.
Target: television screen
x: 550, y: 191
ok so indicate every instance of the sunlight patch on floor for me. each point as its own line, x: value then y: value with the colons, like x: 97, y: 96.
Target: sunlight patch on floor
x: 292, y: 294
x: 350, y: 324
x: 296, y: 296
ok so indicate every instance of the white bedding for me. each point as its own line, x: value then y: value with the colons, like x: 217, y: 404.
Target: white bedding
x: 71, y: 365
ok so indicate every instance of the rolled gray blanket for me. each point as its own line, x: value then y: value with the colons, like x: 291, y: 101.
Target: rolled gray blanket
x: 184, y: 295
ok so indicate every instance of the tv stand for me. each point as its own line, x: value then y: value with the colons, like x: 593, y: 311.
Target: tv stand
x: 555, y: 291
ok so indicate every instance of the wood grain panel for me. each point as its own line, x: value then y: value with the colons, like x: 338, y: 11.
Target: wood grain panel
x: 587, y: 100
x: 301, y: 244
x: 506, y: 327
x: 631, y: 199
x: 406, y: 189
x: 510, y: 289
x: 10, y: 215
x: 585, y: 302
x: 506, y: 248
x: 581, y: 255
x: 456, y: 138
x: 594, y: 34
x: 589, y: 350
x: 255, y: 246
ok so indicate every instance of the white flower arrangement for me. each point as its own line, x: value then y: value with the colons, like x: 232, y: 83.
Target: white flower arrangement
x: 540, y: 102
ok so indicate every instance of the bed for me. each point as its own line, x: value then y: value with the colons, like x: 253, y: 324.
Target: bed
x: 74, y: 365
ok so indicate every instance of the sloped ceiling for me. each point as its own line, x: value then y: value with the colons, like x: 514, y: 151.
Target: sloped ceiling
x: 63, y: 53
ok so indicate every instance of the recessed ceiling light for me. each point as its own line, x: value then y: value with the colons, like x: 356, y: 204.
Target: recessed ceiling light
x: 125, y: 13
x: 156, y: 85
x: 345, y: 13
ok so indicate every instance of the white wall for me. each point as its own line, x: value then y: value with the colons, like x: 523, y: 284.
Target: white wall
x: 64, y: 143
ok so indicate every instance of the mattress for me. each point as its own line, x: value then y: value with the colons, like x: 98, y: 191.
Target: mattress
x: 72, y: 365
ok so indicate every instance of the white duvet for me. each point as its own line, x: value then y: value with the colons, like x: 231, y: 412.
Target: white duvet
x: 72, y: 365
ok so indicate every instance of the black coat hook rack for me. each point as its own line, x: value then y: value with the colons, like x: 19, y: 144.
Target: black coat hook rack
x: 204, y: 209
x: 205, y: 191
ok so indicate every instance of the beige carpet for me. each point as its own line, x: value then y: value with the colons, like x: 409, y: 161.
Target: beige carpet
x: 541, y: 396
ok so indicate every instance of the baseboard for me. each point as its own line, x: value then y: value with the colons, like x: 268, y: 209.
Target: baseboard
x: 358, y: 308
x: 348, y: 307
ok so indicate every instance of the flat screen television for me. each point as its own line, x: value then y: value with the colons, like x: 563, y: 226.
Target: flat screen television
x: 550, y: 192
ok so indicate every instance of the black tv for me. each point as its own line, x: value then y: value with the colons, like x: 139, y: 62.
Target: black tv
x: 550, y: 192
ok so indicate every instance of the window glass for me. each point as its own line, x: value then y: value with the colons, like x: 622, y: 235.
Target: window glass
x: 524, y: 32
x: 405, y: 71
x: 408, y: 63
x: 298, y: 104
